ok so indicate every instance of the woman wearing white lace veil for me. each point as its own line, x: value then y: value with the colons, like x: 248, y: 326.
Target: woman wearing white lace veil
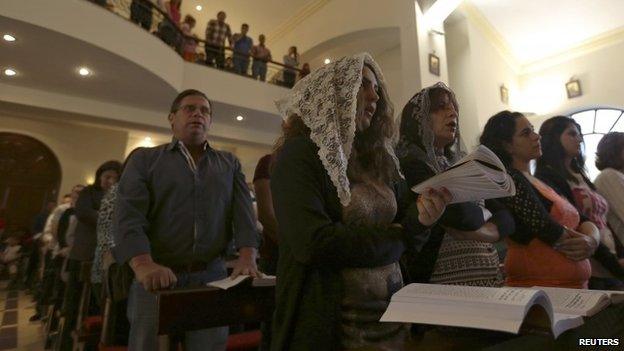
x: 343, y: 224
x: 459, y: 249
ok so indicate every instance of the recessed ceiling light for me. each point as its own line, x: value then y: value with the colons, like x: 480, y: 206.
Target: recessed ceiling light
x: 8, y: 37
x: 9, y: 72
x: 148, y: 139
x: 198, y: 7
x: 83, y: 71
x: 239, y: 118
x: 327, y: 61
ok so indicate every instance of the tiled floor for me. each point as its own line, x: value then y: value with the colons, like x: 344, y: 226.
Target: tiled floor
x: 16, y: 332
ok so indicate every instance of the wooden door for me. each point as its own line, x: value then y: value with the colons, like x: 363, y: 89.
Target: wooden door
x: 30, y: 175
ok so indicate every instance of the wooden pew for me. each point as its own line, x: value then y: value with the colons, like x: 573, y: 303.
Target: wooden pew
x: 190, y: 309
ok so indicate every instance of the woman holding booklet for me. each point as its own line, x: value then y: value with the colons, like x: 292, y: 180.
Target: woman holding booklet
x: 561, y: 166
x: 345, y: 215
x: 552, y: 243
x: 429, y: 144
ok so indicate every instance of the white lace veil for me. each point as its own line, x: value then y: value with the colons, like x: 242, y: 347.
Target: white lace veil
x: 326, y: 101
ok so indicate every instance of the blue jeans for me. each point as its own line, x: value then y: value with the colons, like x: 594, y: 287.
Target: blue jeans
x: 143, y: 315
x: 259, y: 69
x: 240, y: 64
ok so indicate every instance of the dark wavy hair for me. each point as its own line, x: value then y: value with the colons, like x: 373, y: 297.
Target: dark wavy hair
x: 499, y: 131
x: 106, y: 166
x: 609, y: 151
x: 369, y: 146
x: 553, y: 153
x: 369, y: 151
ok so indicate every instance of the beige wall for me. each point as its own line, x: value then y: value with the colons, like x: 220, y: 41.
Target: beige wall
x: 476, y: 72
x: 390, y: 64
x: 79, y: 149
x: 478, y: 67
x: 600, y: 72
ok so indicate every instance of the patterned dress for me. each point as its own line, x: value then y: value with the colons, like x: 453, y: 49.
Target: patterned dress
x: 367, y: 291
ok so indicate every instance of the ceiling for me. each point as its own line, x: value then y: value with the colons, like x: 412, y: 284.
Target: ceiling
x: 374, y: 41
x: 48, y: 61
x: 536, y: 29
x: 263, y: 17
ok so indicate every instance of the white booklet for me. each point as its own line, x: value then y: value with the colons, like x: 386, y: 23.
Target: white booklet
x: 501, y: 309
x: 479, y: 175
x: 264, y: 280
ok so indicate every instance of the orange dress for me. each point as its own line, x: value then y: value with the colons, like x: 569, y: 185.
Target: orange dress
x: 539, y: 263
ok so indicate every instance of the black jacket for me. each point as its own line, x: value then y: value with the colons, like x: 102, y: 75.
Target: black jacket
x: 462, y: 216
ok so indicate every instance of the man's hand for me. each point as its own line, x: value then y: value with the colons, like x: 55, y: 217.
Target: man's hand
x: 246, y: 263
x: 431, y: 205
x: 151, y: 275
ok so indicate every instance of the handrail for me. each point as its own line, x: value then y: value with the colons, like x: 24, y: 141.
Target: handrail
x: 181, y: 37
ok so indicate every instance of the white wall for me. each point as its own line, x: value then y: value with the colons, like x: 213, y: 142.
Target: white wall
x: 79, y: 149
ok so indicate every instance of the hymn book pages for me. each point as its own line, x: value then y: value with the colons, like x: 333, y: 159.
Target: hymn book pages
x: 584, y: 303
x: 501, y: 309
x: 480, y: 175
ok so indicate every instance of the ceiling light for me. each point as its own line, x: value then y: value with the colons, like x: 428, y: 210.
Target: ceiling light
x: 327, y: 61
x: 239, y: 118
x: 198, y: 7
x: 8, y: 37
x: 9, y: 72
x: 148, y: 139
x: 83, y: 71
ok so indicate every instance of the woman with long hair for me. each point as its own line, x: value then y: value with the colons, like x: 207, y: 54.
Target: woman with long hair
x: 562, y: 167
x: 343, y: 218
x: 459, y: 249
x: 551, y: 244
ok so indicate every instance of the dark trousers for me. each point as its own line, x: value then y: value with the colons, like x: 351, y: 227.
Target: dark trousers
x: 71, y: 302
x: 215, y: 55
x: 289, y: 78
x: 30, y: 276
x: 141, y: 14
x: 268, y: 267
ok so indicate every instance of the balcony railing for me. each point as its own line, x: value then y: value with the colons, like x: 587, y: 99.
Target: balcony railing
x: 153, y: 19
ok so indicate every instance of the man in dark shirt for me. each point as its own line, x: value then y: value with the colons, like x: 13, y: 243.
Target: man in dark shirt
x: 178, y: 206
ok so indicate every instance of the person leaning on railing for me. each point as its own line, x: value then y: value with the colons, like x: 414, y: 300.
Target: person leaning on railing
x: 261, y: 55
x: 216, y: 33
x: 291, y: 61
x: 189, y: 42
x: 242, y: 48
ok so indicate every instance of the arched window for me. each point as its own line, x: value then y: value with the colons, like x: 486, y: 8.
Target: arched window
x: 594, y: 124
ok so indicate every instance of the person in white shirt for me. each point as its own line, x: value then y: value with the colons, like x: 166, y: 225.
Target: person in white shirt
x: 610, y: 181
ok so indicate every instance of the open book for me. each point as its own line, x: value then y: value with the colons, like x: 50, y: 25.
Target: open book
x: 580, y: 302
x: 264, y: 280
x: 479, y: 175
x: 502, y: 309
